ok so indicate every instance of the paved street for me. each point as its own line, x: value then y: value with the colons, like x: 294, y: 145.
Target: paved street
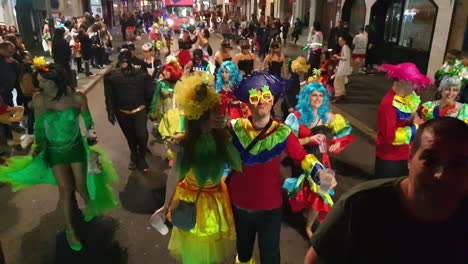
x: 31, y: 232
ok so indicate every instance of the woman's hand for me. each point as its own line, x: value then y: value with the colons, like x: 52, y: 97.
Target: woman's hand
x: 291, y: 110
x: 334, y: 147
x: 317, y: 138
x: 92, y: 137
x: 162, y: 211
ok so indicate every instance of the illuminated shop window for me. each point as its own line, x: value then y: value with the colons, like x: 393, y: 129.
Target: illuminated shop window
x: 418, y: 24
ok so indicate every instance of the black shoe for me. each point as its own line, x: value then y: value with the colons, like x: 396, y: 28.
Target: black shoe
x: 132, y: 165
x: 15, y: 127
x: 80, y: 70
x: 90, y: 74
x: 142, y: 165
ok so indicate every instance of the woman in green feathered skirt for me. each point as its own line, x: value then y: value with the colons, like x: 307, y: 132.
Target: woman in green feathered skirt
x: 61, y: 154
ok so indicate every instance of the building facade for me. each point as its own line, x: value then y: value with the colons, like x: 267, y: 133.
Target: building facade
x: 418, y: 31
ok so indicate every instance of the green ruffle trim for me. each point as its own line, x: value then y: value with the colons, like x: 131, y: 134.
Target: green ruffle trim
x: 427, y: 111
x: 410, y: 103
x: 157, y: 91
x: 268, y: 143
x: 207, y: 164
x: 463, y: 114
x: 25, y: 171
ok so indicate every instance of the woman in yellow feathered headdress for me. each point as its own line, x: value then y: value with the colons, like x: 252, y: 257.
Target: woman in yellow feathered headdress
x: 199, y: 165
x: 298, y: 66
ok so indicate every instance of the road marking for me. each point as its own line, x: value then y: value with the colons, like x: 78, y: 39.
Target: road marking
x: 355, y: 122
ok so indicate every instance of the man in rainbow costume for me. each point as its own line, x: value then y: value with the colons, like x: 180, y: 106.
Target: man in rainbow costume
x: 397, y: 121
x: 256, y: 191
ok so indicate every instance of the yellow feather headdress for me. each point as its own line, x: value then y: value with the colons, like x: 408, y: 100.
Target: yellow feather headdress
x: 195, y: 94
x: 299, y: 65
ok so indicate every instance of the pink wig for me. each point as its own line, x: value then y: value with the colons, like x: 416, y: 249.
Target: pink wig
x: 407, y: 72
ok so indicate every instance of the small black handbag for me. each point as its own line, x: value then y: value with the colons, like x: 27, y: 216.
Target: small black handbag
x: 184, y: 216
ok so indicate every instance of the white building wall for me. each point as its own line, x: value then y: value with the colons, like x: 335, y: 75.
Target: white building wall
x: 71, y: 8
x: 7, y: 14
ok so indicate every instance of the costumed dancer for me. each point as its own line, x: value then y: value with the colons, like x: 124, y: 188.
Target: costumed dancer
x: 446, y: 105
x: 197, y: 63
x: 397, y: 121
x: 222, y: 55
x: 167, y: 32
x: 455, y: 67
x: 298, y: 66
x: 208, y: 236
x: 156, y: 38
x: 62, y: 156
x: 153, y: 64
x: 245, y: 60
x: 163, y: 105
x: 229, y: 77
x: 185, y: 44
x: 128, y: 93
x: 256, y: 191
x: 316, y: 128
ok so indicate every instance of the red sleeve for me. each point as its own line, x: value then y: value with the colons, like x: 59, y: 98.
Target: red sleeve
x: 294, y: 149
x: 386, y: 122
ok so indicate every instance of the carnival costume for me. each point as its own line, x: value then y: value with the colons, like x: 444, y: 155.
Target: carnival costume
x: 212, y: 238
x: 298, y: 66
x: 128, y: 94
x: 184, y: 55
x: 163, y: 105
x: 256, y: 192
x: 229, y: 107
x: 59, y: 141
x: 395, y: 131
x: 455, y: 68
x: 301, y: 121
x: 433, y: 109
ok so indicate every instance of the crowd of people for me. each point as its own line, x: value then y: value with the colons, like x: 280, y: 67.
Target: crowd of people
x: 225, y: 145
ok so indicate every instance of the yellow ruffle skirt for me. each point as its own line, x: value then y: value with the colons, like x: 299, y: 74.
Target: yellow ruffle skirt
x: 212, y: 240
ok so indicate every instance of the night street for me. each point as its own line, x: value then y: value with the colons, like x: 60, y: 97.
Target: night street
x: 383, y: 62
x: 31, y: 231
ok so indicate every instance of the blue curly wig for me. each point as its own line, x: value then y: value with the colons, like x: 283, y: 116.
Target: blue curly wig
x: 303, y: 105
x: 234, y: 75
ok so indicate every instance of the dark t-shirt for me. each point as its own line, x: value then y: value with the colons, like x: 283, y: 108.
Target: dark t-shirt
x: 369, y: 225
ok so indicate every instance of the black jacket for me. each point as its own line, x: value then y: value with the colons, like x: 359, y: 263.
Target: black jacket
x: 127, y: 91
x: 61, y: 51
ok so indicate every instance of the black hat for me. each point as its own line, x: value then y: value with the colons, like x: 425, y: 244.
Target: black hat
x: 128, y: 45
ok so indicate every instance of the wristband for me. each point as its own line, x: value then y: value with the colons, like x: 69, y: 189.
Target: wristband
x: 307, y: 139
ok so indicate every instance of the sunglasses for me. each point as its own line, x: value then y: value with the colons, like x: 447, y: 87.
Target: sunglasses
x: 275, y: 47
x: 147, y: 51
x: 245, y: 47
x: 255, y: 98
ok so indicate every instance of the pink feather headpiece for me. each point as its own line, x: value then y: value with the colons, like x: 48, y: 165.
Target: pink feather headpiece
x: 407, y: 72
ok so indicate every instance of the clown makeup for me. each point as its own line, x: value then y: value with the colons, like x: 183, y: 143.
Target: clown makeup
x: 450, y: 94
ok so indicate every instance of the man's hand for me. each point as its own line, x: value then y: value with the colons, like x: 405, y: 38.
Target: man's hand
x: 291, y: 110
x: 317, y: 138
x: 111, y: 118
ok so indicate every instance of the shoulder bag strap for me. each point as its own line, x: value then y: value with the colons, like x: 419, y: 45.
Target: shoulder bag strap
x: 257, y: 138
x: 251, y: 145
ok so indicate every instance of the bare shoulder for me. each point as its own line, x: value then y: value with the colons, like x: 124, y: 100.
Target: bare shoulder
x: 38, y: 102
x: 331, y: 117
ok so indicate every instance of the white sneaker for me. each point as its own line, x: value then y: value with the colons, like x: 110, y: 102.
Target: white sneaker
x: 27, y: 141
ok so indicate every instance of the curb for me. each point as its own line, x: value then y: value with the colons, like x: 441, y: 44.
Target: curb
x: 87, y: 87
x: 369, y: 132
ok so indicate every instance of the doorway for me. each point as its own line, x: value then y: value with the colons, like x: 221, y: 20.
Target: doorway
x: 354, y: 11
